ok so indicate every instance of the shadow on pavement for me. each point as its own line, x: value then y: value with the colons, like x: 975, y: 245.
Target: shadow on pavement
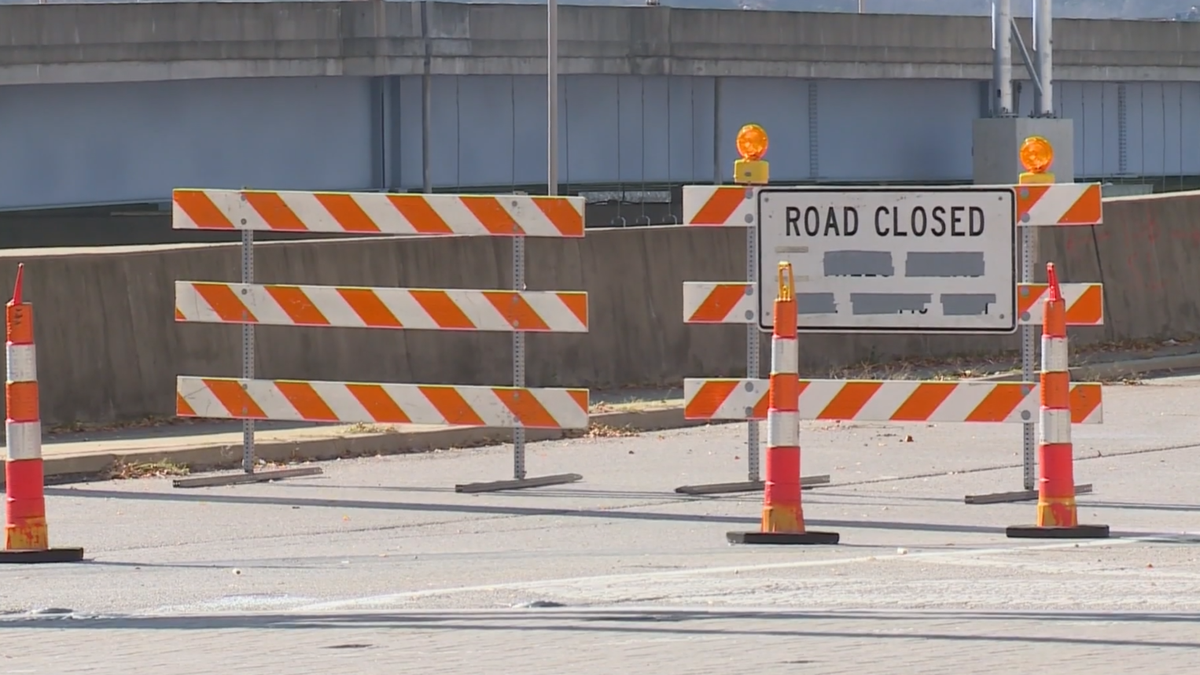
x: 479, y: 509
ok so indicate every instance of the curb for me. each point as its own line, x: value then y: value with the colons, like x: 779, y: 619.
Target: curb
x: 87, y: 467
x: 1114, y: 369
x: 81, y: 468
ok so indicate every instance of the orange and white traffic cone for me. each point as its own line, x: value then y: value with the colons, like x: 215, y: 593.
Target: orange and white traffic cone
x: 1057, y: 517
x: 783, y: 514
x: 26, y: 538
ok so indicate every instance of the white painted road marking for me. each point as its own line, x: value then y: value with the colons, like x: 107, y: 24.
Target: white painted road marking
x: 645, y: 577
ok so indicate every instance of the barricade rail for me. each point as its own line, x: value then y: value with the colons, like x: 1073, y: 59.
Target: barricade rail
x: 515, y: 311
x: 736, y: 302
x: 887, y: 400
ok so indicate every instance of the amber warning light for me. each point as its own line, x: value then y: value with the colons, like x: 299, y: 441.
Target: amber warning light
x: 752, y: 145
x: 1036, y: 156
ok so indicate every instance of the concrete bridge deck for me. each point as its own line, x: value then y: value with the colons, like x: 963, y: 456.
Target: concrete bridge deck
x: 179, y: 41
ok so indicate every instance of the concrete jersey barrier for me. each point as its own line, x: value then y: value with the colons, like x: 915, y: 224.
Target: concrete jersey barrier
x: 109, y: 347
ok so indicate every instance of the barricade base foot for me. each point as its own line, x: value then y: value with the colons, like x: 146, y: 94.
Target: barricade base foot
x: 809, y: 538
x: 806, y: 482
x: 244, y: 478
x: 1077, y: 532
x: 519, y: 484
x: 1018, y: 496
x: 50, y: 555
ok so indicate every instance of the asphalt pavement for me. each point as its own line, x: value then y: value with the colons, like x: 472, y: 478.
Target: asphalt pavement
x: 379, y: 566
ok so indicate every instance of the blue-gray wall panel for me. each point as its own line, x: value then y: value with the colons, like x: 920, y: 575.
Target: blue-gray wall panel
x: 1093, y: 108
x: 77, y: 144
x: 780, y: 105
x: 491, y: 130
x: 896, y: 129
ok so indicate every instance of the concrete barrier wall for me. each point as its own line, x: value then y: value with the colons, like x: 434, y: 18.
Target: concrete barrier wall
x: 108, y: 347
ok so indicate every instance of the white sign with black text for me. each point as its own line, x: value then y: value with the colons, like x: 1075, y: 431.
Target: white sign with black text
x: 888, y: 260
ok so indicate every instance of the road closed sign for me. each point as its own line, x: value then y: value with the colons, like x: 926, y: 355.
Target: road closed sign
x: 892, y: 260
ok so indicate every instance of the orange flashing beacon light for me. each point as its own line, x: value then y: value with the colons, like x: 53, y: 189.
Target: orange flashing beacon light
x: 1036, y: 156
x: 752, y: 144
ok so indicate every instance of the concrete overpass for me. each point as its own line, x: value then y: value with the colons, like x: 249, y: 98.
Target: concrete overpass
x: 118, y: 103
x: 49, y: 44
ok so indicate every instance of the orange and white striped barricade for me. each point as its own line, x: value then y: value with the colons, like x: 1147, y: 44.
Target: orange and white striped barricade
x: 1043, y: 203
x: 1057, y: 517
x: 733, y: 302
x: 516, y: 311
x: 26, y: 535
x: 783, y: 512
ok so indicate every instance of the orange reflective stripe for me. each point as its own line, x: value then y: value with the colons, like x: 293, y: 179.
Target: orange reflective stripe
x: 420, y: 214
x: 452, y: 406
x: 201, y: 210
x: 345, y: 210
x: 526, y: 408
x: 442, y: 309
x: 297, y: 305
x: 719, y: 302
x: 562, y: 215
x: 720, y: 206
x: 924, y: 401
x: 515, y: 310
x: 849, y: 400
x: 491, y: 215
x: 367, y: 305
x: 999, y: 403
x: 226, y: 303
x: 274, y: 211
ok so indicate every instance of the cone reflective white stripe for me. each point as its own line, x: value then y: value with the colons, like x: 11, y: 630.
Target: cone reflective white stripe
x: 785, y: 356
x: 783, y: 429
x: 1055, y: 425
x: 24, y: 440
x: 1055, y: 354
x: 21, y: 363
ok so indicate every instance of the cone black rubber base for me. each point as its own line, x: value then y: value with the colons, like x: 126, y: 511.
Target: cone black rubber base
x: 784, y: 538
x: 1077, y: 532
x: 50, y: 555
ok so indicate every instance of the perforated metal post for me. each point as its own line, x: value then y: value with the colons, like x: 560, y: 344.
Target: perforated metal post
x: 752, y: 357
x: 518, y: 357
x: 1028, y: 355
x: 247, y: 350
x: 1042, y: 18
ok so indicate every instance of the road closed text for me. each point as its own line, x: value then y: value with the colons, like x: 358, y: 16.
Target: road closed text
x: 889, y: 221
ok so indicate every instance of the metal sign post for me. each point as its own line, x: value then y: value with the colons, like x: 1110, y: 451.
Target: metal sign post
x: 753, y: 366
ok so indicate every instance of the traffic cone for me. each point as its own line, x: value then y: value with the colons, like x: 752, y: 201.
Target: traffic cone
x: 26, y: 539
x: 783, y: 515
x: 1057, y: 517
